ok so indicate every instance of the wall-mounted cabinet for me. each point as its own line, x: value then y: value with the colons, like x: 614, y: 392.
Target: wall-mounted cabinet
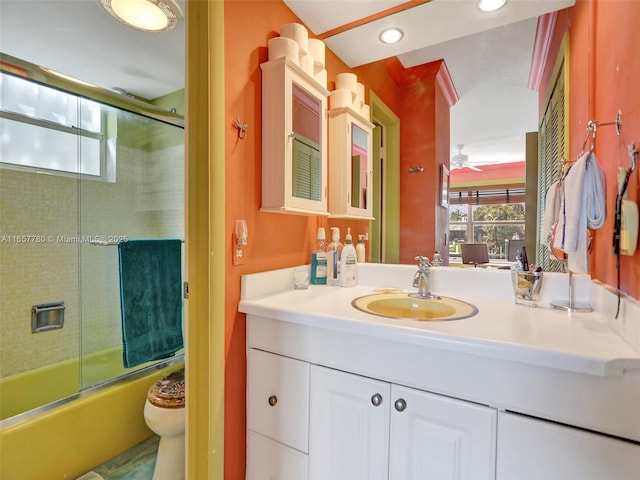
x: 294, y: 140
x: 350, y: 164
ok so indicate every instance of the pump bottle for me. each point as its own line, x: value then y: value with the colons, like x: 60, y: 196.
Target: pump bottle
x: 319, y: 260
x: 348, y: 263
x: 333, y: 257
x: 360, y: 251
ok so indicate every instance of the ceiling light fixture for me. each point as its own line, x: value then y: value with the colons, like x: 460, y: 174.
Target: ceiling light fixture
x: 491, y: 5
x: 391, y: 35
x: 146, y: 15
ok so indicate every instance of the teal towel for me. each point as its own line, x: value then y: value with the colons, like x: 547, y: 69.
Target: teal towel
x: 150, y: 299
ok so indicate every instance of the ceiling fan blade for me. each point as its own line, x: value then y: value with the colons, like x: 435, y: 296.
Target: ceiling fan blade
x: 474, y: 168
x: 485, y: 162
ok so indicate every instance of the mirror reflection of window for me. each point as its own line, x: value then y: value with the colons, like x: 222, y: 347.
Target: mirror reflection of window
x: 493, y: 224
x: 359, y: 167
x: 307, y: 168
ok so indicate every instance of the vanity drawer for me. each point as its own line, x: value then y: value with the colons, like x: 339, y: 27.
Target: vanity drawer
x: 268, y: 460
x: 531, y: 449
x: 278, y: 398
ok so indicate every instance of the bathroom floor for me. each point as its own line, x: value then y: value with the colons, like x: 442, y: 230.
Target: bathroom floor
x: 137, y: 463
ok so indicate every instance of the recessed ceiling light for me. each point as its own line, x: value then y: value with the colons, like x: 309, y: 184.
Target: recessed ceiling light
x: 146, y: 15
x: 391, y: 35
x: 491, y: 5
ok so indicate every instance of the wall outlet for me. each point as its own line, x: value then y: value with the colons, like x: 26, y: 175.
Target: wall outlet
x: 240, y: 240
x: 237, y: 252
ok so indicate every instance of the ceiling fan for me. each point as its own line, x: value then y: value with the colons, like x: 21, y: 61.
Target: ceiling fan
x: 460, y: 160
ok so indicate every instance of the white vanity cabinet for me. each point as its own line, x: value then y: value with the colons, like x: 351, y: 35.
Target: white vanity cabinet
x: 349, y: 426
x: 509, y: 394
x: 366, y: 429
x: 277, y: 417
x: 294, y: 140
x: 433, y: 436
x: 350, y: 164
x: 533, y: 449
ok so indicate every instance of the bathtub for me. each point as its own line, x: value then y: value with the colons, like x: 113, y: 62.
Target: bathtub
x: 71, y: 438
x: 41, y: 386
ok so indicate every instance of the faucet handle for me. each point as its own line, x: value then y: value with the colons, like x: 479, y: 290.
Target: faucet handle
x: 424, y: 261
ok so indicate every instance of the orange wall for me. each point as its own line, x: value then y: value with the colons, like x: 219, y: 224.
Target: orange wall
x: 604, y: 77
x: 417, y: 149
x: 499, y: 173
x: 424, y: 142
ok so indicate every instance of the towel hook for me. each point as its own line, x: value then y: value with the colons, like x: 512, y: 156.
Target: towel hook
x: 242, y: 128
x: 592, y: 128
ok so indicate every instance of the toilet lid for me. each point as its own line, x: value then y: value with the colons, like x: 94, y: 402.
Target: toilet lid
x: 168, y: 392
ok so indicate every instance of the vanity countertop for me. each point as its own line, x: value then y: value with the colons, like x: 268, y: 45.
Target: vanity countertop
x: 578, y: 342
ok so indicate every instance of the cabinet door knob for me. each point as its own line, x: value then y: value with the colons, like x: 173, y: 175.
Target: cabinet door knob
x: 400, y: 404
x: 273, y: 400
x: 376, y: 400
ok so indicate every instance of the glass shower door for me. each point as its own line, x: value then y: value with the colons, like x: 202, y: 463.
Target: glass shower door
x: 142, y: 198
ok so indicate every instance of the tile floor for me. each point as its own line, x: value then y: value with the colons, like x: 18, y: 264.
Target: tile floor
x: 137, y: 463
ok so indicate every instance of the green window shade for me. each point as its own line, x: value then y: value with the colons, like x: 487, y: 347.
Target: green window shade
x: 307, y: 180
x: 552, y: 150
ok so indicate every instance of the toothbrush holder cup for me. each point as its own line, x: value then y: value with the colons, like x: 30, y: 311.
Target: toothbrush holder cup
x: 526, y: 287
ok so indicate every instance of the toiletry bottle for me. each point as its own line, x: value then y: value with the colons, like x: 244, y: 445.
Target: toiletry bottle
x: 348, y: 263
x: 333, y: 257
x: 525, y: 260
x: 319, y: 260
x: 360, y: 251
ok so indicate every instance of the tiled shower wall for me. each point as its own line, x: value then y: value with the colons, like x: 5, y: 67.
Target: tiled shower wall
x: 146, y: 201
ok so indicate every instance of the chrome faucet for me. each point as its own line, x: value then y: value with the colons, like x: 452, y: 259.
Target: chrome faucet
x: 422, y: 279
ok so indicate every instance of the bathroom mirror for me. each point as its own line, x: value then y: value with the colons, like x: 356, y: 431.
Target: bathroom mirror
x: 355, y: 199
x: 360, y: 191
x: 307, y: 142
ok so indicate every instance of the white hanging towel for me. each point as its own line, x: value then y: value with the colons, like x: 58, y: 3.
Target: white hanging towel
x: 582, y: 206
x: 551, y: 213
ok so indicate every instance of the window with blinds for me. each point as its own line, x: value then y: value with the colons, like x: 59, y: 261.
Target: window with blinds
x: 552, y: 150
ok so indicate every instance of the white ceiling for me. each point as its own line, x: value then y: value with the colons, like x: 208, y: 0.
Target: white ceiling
x: 488, y: 55
x: 80, y: 39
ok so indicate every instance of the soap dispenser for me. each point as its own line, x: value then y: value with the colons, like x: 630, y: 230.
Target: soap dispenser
x: 348, y: 263
x: 319, y: 260
x: 360, y: 251
x: 333, y: 257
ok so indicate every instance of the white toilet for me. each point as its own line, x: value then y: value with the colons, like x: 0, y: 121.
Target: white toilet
x: 164, y: 414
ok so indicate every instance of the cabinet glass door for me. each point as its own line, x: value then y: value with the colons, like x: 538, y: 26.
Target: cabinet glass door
x: 359, y: 167
x: 307, y: 163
